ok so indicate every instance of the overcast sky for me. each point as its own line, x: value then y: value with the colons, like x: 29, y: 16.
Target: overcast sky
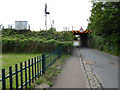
x: 65, y: 13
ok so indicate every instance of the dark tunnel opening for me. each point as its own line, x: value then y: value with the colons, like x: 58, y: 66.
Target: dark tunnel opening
x: 84, y: 42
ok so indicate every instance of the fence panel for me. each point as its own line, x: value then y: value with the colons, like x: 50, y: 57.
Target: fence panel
x: 34, y: 68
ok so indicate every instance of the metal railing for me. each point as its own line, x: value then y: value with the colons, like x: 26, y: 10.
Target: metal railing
x: 33, y: 68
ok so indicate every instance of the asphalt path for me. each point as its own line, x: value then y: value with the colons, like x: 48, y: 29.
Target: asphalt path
x: 72, y: 75
x: 106, y: 66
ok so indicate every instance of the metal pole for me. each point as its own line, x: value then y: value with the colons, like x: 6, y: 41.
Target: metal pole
x: 45, y: 16
x: 46, y: 21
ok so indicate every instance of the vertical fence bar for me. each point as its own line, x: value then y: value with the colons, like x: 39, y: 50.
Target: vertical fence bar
x: 29, y: 72
x: 35, y: 66
x: 40, y: 65
x: 32, y: 72
x: 25, y: 75
x: 58, y: 52
x: 10, y: 73
x: 16, y: 71
x: 3, y: 79
x: 21, y: 76
x: 43, y: 63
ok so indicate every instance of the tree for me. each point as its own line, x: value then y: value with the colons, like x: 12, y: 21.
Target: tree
x: 105, y: 21
x: 105, y: 18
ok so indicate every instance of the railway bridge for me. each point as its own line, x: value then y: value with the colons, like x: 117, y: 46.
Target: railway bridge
x: 83, y: 37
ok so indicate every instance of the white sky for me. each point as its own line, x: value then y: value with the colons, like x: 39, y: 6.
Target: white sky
x: 65, y: 13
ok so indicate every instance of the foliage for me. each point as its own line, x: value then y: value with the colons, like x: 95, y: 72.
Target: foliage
x: 27, y: 41
x: 75, y: 38
x: 40, y: 81
x: 50, y: 83
x: 105, y: 22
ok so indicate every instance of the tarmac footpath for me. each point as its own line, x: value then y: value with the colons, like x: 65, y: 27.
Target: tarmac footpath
x: 72, y: 75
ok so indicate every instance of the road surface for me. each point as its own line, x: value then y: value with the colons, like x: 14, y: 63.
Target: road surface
x: 106, y: 66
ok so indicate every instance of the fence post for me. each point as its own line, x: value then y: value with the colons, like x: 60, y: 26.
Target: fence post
x: 35, y: 66
x: 16, y: 71
x: 40, y: 65
x: 32, y: 72
x: 3, y: 79
x: 29, y: 72
x: 60, y: 51
x: 21, y: 76
x: 43, y: 63
x: 10, y: 73
x: 25, y: 75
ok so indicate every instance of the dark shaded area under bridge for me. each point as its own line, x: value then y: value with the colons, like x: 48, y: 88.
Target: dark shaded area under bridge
x: 83, y: 39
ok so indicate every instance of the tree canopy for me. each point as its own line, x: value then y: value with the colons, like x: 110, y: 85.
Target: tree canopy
x: 105, y: 21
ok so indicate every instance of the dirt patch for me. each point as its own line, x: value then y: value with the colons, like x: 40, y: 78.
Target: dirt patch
x: 113, y: 63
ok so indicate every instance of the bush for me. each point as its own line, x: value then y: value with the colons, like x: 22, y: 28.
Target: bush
x: 32, y: 45
x: 105, y: 44
x: 26, y: 41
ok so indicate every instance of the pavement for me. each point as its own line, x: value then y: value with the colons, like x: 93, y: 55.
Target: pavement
x: 72, y: 75
x: 106, y: 66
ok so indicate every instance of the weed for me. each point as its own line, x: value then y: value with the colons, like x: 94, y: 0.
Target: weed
x: 50, y: 83
x: 30, y: 87
x: 58, y: 71
x: 40, y: 81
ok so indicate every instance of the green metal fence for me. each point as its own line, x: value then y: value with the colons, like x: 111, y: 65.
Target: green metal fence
x: 29, y: 70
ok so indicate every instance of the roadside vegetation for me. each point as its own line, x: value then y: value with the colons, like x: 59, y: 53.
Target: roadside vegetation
x: 27, y: 41
x: 104, y: 24
x: 21, y: 45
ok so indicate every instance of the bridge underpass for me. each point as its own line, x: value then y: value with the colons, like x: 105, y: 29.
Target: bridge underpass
x: 83, y: 39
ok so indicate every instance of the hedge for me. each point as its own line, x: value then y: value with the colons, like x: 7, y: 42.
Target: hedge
x: 32, y: 45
